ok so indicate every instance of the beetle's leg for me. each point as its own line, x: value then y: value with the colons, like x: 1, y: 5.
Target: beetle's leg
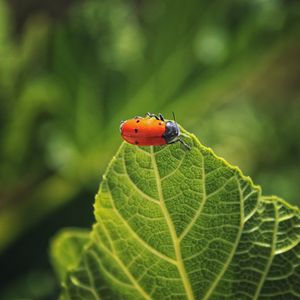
x: 138, y: 117
x: 152, y: 116
x: 181, y: 141
x: 161, y: 117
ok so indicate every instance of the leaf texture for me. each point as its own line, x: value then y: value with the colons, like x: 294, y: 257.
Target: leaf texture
x: 178, y: 224
x: 67, y: 248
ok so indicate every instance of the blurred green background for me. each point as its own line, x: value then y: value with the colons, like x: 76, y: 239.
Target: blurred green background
x: 71, y: 70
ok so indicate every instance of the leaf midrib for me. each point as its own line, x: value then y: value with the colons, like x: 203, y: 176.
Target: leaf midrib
x: 176, y: 242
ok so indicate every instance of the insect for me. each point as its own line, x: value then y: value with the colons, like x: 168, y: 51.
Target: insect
x: 151, y: 130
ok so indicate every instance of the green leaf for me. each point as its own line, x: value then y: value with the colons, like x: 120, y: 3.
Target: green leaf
x: 179, y: 224
x: 66, y: 249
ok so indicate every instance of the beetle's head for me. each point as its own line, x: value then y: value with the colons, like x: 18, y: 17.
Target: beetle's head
x: 172, y: 131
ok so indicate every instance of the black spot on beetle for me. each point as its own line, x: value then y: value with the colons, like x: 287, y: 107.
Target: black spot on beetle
x: 135, y: 130
x: 159, y: 123
x: 137, y: 121
x: 136, y: 142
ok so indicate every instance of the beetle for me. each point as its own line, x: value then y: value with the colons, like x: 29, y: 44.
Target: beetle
x: 151, y: 130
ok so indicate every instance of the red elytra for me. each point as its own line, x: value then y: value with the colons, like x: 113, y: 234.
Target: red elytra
x: 152, y: 130
x: 144, y: 132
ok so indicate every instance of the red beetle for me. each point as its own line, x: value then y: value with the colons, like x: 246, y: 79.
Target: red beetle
x: 152, y: 130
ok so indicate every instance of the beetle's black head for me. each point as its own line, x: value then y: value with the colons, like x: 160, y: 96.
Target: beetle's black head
x: 172, y: 132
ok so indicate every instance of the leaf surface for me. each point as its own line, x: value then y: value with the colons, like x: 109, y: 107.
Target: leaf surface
x: 66, y: 249
x: 178, y: 224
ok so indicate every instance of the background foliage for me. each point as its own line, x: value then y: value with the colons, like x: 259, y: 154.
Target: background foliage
x: 71, y: 70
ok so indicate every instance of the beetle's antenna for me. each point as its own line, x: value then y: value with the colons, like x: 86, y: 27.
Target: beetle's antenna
x: 174, y: 116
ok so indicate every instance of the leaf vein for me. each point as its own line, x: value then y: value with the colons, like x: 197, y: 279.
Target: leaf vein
x: 138, y: 190
x: 139, y: 239
x: 204, y: 198
x: 180, y: 265
x: 125, y: 270
x: 273, y: 245
x: 233, y: 251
